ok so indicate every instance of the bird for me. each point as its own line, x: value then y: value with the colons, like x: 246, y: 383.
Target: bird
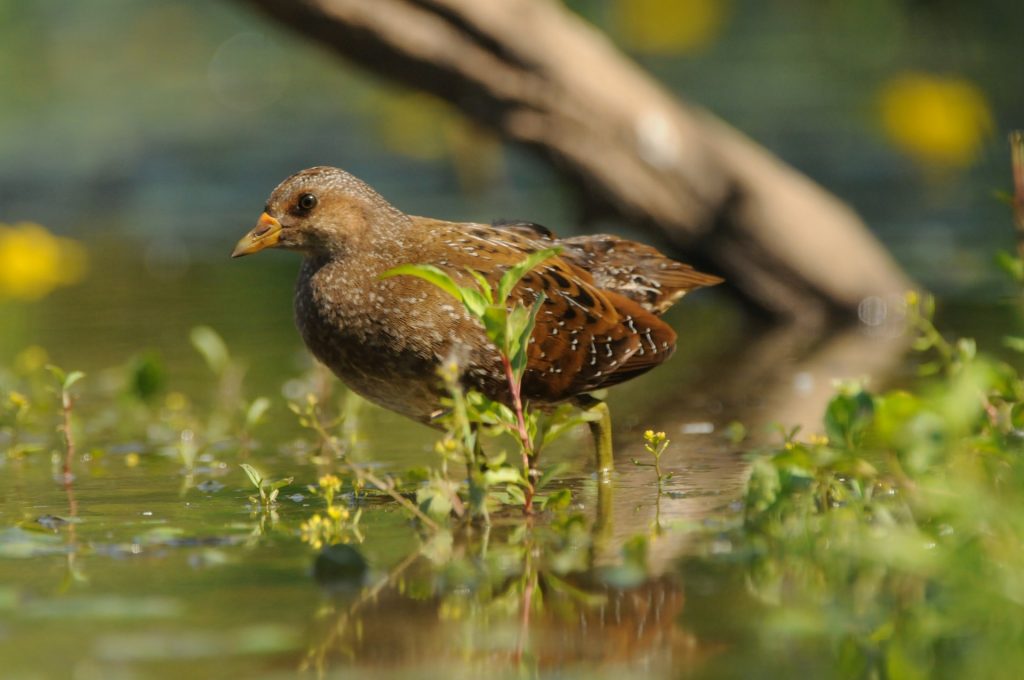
x: 598, y: 322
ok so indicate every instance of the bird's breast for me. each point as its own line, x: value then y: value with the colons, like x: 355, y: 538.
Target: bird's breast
x: 384, y: 341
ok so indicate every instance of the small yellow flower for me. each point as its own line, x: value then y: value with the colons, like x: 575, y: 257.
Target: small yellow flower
x: 330, y: 483
x: 312, y: 531
x: 17, y: 400
x: 131, y: 459
x: 653, y: 438
x: 337, y: 513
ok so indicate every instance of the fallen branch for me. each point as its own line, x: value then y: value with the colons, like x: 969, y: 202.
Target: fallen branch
x: 541, y: 76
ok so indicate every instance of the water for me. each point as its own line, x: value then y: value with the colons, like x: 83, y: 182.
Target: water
x: 142, y: 568
x: 146, y: 569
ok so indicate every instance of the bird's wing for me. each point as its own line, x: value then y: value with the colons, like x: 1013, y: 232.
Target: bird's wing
x: 635, y: 270
x: 584, y: 338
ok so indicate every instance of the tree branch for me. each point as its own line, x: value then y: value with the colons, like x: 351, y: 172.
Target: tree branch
x: 541, y: 76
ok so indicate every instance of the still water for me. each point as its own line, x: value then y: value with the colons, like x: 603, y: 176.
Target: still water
x: 154, y: 563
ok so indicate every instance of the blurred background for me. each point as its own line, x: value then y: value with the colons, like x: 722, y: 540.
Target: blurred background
x: 140, y: 138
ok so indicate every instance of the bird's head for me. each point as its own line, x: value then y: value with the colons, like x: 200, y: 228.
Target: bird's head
x: 319, y: 211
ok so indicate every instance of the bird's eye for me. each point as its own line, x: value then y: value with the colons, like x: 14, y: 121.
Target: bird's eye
x: 306, y: 202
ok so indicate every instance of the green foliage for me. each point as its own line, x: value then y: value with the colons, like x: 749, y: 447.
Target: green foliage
x: 848, y: 415
x: 336, y: 524
x: 894, y: 546
x: 655, y: 444
x: 266, y: 490
x: 147, y: 377
x: 508, y: 326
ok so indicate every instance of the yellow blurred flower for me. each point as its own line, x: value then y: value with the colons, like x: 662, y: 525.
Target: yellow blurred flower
x: 670, y: 26
x: 938, y: 120
x: 312, y: 531
x: 330, y: 483
x: 33, y: 261
x: 176, y: 401
x: 338, y: 514
x: 30, y: 360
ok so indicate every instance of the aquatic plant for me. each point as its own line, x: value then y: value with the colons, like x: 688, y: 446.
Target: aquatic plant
x: 266, y: 490
x: 655, y: 444
x: 66, y: 381
x: 508, y: 327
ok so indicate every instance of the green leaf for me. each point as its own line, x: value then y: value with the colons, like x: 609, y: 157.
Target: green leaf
x: 256, y: 411
x: 503, y: 475
x: 212, y: 348
x: 1017, y: 416
x: 434, y: 501
x: 254, y: 476
x: 550, y: 473
x: 763, y: 486
x: 516, y: 495
x: 428, y: 273
x: 558, y: 500
x: 516, y: 272
x: 735, y: 432
x: 281, y: 483
x: 57, y: 372
x: 483, y: 284
x: 475, y: 302
x: 73, y: 377
x: 1011, y: 264
x: 495, y: 324
x: 967, y: 348
x: 578, y: 594
x: 522, y: 337
x: 147, y: 376
x: 847, y: 415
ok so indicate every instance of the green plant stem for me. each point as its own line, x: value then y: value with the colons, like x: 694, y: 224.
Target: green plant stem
x: 517, y: 404
x: 527, y: 606
x: 367, y: 476
x: 69, y: 443
x: 515, y: 388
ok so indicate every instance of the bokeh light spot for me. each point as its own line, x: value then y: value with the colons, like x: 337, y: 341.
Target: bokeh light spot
x: 940, y: 121
x: 33, y: 262
x: 670, y: 26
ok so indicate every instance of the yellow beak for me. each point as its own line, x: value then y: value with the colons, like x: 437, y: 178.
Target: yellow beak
x: 265, y: 234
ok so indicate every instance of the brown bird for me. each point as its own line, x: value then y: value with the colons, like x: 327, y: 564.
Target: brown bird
x: 386, y: 338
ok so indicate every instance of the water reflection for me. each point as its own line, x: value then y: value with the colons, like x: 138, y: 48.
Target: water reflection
x: 164, y: 519
x: 597, y: 588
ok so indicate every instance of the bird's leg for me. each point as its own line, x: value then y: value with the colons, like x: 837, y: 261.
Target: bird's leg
x: 601, y: 429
